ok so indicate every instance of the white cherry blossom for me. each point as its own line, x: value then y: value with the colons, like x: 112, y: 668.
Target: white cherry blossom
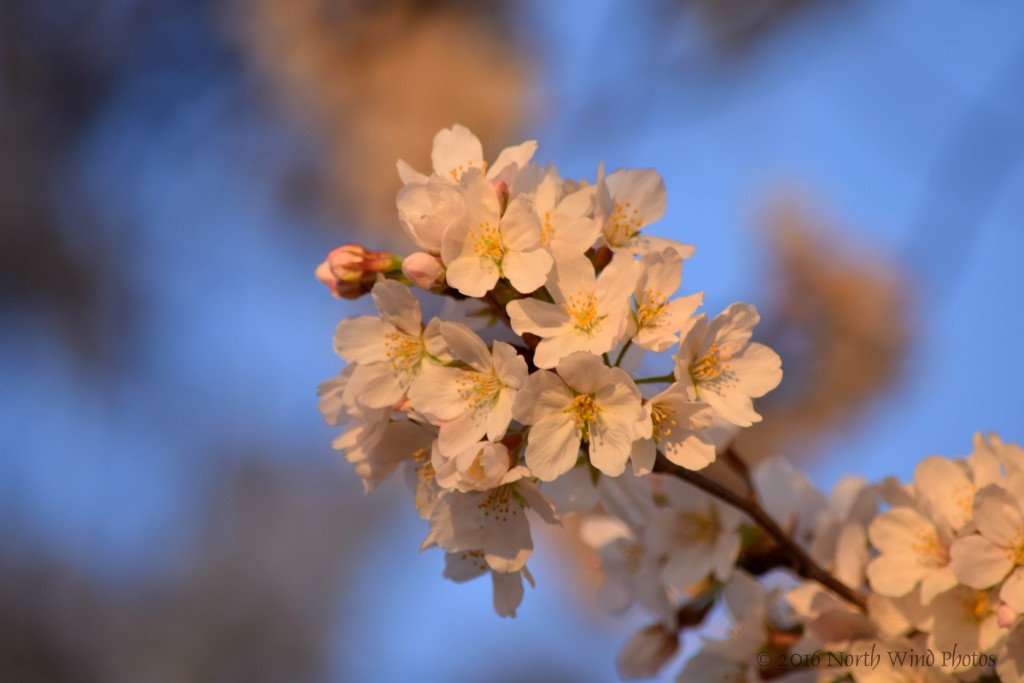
x: 997, y: 551
x: 724, y: 368
x: 493, y: 241
x: 589, y: 313
x: 474, y: 400
x: 679, y: 429
x: 568, y: 225
x: 388, y: 350
x: 493, y: 521
x: 583, y: 401
x: 629, y: 201
x: 657, y: 319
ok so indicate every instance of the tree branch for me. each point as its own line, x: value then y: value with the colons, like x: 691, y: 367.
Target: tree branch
x: 802, y: 563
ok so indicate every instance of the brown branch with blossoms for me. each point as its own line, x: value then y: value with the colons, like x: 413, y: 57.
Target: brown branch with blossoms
x: 802, y: 563
x: 488, y: 429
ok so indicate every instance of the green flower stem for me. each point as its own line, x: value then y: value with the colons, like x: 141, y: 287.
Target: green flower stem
x: 663, y: 379
x: 625, y: 347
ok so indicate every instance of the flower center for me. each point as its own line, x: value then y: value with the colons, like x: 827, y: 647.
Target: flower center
x: 584, y: 412
x: 976, y: 606
x: 404, y: 351
x: 476, y: 558
x: 476, y: 470
x: 487, y: 242
x: 476, y: 388
x: 545, y: 230
x: 498, y: 504
x: 632, y: 556
x: 456, y: 173
x: 664, y: 420
x: 964, y: 499
x: 582, y: 308
x: 651, y: 307
x: 929, y: 549
x: 696, y: 528
x: 711, y: 366
x: 424, y: 467
x: 624, y: 223
x: 1016, y: 550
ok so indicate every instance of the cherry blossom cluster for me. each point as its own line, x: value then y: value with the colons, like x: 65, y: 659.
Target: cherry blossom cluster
x: 524, y: 400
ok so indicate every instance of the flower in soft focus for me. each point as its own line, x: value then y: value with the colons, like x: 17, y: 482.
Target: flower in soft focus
x: 996, y: 554
x: 473, y: 400
x: 494, y: 241
x: 630, y: 573
x: 646, y: 652
x: 1010, y: 656
x: 589, y: 312
x: 507, y: 586
x: 388, y: 351
x: 914, y: 550
x: 965, y: 618
x: 724, y: 368
x: 582, y: 401
x: 695, y: 534
x: 630, y: 200
x: 492, y: 521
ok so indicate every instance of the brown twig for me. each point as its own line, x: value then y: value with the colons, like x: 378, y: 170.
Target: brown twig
x: 802, y: 563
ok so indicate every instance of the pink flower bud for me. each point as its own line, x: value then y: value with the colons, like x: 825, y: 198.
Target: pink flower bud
x: 423, y: 270
x: 503, y: 194
x: 350, y: 262
x: 646, y: 652
x: 351, y: 270
x: 1005, y: 616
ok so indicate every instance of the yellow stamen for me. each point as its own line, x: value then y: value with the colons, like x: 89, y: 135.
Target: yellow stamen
x: 456, y: 173
x: 404, y: 351
x: 929, y: 549
x: 546, y: 229
x: 476, y: 388
x: 623, y: 224
x: 653, y: 303
x: 476, y: 470
x: 977, y: 607
x: 632, y: 556
x: 487, y: 242
x: 498, y: 504
x: 582, y: 308
x: 1016, y: 550
x: 711, y: 366
x: 584, y: 411
x: 424, y: 467
x: 664, y: 420
x: 697, y: 528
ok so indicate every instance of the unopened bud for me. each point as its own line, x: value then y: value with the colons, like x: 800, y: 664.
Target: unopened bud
x: 646, y: 652
x: 1005, y: 616
x: 423, y: 270
x: 503, y: 194
x: 350, y: 270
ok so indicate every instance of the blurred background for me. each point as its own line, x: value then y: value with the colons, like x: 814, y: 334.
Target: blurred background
x: 171, y: 172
